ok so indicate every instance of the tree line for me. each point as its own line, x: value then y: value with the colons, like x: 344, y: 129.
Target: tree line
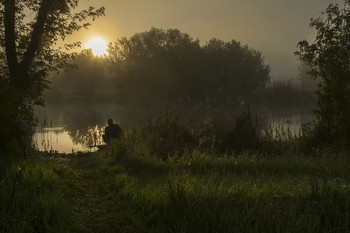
x: 169, y: 67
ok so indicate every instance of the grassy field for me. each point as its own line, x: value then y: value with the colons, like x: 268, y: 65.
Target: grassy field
x: 125, y: 189
x: 31, y: 196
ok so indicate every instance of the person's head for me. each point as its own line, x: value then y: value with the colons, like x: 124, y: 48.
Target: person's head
x: 110, y: 122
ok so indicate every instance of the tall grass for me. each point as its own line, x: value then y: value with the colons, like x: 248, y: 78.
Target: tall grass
x: 287, y: 95
x: 227, y: 133
x: 30, y: 197
x: 247, y: 192
x: 163, y: 179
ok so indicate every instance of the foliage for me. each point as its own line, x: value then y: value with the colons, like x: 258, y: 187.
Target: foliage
x: 30, y: 196
x: 168, y: 137
x: 159, y: 66
x: 86, y: 82
x: 287, y: 95
x: 125, y: 188
x: 329, y: 58
x: 246, y: 133
x: 29, y: 52
x: 203, y: 192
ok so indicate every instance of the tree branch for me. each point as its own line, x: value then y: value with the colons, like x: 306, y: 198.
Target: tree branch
x: 36, y: 35
x: 10, y: 36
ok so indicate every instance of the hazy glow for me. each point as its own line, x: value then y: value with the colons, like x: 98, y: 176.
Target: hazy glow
x: 273, y: 27
x: 97, y: 45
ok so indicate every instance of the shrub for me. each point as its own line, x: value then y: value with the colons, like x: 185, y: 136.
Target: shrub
x: 168, y: 136
x: 245, y: 134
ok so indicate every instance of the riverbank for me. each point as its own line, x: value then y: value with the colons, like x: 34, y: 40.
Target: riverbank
x: 125, y: 189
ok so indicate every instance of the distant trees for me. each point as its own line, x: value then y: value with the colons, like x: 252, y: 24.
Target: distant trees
x: 159, y: 66
x: 307, y: 82
x: 329, y: 59
x: 81, y: 83
x: 28, y: 53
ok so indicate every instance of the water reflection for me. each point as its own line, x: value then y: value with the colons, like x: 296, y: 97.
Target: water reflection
x: 287, y: 125
x: 63, y: 129
x: 73, y: 128
x: 63, y: 139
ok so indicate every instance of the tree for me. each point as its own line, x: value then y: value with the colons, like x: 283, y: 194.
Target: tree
x: 29, y: 52
x: 235, y: 71
x: 87, y: 83
x: 148, y: 67
x: 168, y: 66
x: 329, y: 59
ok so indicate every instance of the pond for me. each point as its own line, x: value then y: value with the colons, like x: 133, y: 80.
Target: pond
x: 58, y: 139
x: 72, y: 128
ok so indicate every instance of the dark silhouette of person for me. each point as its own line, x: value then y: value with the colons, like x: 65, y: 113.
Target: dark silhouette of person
x: 111, y: 131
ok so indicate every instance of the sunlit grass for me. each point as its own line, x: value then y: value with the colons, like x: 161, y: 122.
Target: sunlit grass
x: 201, y: 192
x: 127, y: 188
x: 30, y: 197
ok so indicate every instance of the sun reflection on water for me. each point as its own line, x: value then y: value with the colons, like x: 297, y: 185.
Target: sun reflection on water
x: 59, y: 140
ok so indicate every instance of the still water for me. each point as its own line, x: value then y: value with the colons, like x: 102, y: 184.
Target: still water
x: 71, y: 128
x: 57, y: 139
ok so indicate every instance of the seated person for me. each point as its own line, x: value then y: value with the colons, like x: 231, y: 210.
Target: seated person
x: 111, y: 131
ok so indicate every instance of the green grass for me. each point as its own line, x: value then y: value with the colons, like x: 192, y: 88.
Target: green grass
x: 30, y: 196
x: 206, y: 193
x: 126, y: 189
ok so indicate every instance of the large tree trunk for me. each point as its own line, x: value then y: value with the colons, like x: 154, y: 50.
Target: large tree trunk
x: 19, y: 71
x: 20, y: 80
x: 10, y: 36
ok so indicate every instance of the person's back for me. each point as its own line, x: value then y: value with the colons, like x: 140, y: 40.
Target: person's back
x: 112, y: 131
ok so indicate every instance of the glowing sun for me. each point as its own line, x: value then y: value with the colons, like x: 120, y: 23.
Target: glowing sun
x: 97, y: 45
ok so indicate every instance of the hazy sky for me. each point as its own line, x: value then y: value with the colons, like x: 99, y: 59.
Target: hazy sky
x: 273, y: 27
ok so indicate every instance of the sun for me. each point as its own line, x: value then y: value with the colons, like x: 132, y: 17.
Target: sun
x: 98, y: 46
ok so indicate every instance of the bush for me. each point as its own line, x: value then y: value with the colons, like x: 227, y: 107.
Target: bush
x: 246, y: 133
x: 168, y: 137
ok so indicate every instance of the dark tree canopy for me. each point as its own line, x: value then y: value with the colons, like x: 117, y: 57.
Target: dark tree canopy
x: 168, y: 66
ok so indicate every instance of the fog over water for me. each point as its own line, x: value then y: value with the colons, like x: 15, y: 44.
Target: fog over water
x: 161, y: 73
x: 74, y: 127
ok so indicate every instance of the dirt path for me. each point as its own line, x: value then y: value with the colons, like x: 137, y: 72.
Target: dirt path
x: 94, y: 210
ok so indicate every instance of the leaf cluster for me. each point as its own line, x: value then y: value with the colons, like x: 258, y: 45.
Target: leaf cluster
x: 329, y: 58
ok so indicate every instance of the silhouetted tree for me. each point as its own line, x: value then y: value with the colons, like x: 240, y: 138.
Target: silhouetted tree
x: 28, y: 53
x: 235, y: 71
x: 329, y: 59
x: 159, y: 66
x: 149, y: 65
x: 88, y: 82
